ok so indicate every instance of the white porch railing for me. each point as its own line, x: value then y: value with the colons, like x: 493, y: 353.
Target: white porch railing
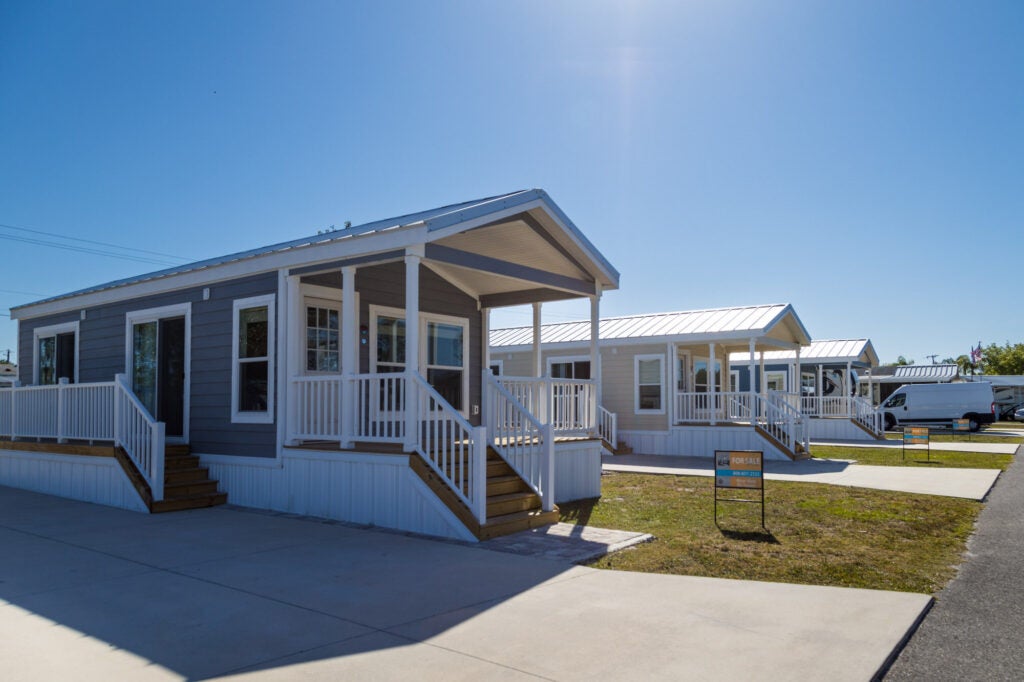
x: 732, y: 406
x: 608, y: 425
x: 455, y: 449
x: 318, y: 408
x: 776, y: 413
x: 141, y: 436
x: 104, y: 411
x: 521, y: 439
x: 564, y: 403
x: 379, y: 407
x: 856, y: 408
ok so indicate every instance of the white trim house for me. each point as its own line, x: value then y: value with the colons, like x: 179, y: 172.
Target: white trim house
x: 662, y: 379
x: 344, y: 375
x: 828, y: 376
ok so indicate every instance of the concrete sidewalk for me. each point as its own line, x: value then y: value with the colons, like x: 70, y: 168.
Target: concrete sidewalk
x: 958, y: 446
x: 93, y: 593
x: 972, y: 484
x: 974, y: 631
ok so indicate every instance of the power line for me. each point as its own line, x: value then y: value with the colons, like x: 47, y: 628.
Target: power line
x: 22, y: 293
x: 91, y: 241
x: 82, y: 249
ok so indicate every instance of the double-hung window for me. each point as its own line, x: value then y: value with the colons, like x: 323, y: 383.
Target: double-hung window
x: 56, y: 353
x: 322, y: 335
x: 252, y: 369
x: 649, y: 396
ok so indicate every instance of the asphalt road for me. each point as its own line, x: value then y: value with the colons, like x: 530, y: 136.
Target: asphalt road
x: 975, y: 631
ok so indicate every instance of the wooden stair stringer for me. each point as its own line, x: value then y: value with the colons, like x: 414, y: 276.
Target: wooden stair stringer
x: 874, y: 436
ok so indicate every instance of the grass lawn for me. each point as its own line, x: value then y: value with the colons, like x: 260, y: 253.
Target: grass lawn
x: 818, y: 534
x: 916, y: 457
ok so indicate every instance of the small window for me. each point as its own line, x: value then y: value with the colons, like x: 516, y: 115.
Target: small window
x: 564, y: 368
x: 649, y: 384
x: 252, y: 398
x: 775, y: 381
x: 322, y: 334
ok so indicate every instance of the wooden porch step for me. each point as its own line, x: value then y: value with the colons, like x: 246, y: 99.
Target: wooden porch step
x: 180, y: 462
x: 515, y: 522
x: 795, y: 456
x: 506, y: 483
x: 189, y: 502
x: 510, y: 503
x: 177, y: 450
x: 499, y: 467
x: 182, y: 475
x: 188, y: 488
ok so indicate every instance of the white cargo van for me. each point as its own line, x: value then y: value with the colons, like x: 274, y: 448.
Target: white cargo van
x: 940, y: 403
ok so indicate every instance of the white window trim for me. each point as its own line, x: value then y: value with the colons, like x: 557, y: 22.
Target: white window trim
x: 53, y: 330
x: 768, y: 376
x: 734, y: 373
x: 636, y: 383
x: 134, y: 317
x: 421, y: 363
x: 567, y: 358
x: 267, y: 416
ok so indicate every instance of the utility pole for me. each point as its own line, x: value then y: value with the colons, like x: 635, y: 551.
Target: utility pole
x: 932, y: 357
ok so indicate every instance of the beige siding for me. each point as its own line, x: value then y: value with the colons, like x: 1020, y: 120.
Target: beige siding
x: 618, y: 380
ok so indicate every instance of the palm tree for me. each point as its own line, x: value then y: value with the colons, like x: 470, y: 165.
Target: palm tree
x: 965, y: 364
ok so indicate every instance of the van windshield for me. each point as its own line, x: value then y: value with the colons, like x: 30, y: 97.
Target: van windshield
x: 896, y: 400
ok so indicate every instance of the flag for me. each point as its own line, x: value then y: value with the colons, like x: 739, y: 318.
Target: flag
x: 976, y: 354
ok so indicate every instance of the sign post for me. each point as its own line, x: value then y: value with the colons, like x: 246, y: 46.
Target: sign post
x: 916, y: 435
x: 739, y: 469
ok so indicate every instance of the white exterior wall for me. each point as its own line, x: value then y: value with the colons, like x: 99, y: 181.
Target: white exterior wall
x: 699, y: 441
x: 577, y: 470
x: 844, y: 429
x: 371, y: 489
x: 99, y: 480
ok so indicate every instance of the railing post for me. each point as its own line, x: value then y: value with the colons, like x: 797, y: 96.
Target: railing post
x: 157, y: 461
x: 14, y: 410
x: 548, y: 463
x: 348, y: 410
x: 117, y: 410
x: 61, y: 409
x: 480, y: 473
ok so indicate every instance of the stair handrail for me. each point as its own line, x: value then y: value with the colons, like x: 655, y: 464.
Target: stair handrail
x: 608, y: 425
x: 453, y: 448
x: 141, y: 436
x: 527, y: 445
x: 865, y: 414
x: 784, y: 422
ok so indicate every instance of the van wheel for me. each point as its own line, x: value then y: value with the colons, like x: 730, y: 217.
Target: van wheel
x: 890, y: 422
x: 974, y: 423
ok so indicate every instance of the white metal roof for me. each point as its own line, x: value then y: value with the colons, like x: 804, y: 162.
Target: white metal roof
x: 859, y: 351
x: 439, y: 222
x: 909, y: 374
x: 742, y: 322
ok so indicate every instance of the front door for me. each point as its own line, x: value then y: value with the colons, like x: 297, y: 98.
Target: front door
x: 158, y: 370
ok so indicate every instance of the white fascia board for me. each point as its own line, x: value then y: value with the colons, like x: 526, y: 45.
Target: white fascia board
x: 581, y: 242
x: 386, y: 240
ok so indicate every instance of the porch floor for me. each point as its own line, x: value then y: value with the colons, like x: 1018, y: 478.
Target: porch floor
x: 393, y: 448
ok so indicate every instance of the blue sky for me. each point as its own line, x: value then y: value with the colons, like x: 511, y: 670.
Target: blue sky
x: 860, y: 160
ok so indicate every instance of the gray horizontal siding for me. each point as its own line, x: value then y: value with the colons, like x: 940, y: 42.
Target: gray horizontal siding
x: 102, y: 355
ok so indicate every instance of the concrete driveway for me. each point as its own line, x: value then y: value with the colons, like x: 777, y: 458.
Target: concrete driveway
x: 89, y: 592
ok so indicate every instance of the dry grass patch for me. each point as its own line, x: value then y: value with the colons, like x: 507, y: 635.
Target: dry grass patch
x: 817, y: 534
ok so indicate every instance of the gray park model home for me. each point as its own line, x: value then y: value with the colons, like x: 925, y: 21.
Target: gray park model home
x: 340, y: 376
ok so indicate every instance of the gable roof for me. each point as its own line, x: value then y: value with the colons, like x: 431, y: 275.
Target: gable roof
x: 717, y: 323
x: 838, y: 351
x: 435, y: 223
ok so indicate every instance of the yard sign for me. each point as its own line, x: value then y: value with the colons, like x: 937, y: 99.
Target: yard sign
x: 916, y: 435
x: 962, y: 426
x: 739, y: 469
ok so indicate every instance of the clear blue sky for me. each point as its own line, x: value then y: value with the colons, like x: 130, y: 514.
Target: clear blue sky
x: 862, y: 160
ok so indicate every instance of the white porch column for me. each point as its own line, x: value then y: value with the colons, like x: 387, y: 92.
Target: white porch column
x: 712, y: 389
x: 538, y: 364
x: 292, y: 352
x: 820, y: 386
x: 349, y: 354
x: 764, y: 387
x: 752, y: 387
x: 595, y: 356
x: 485, y: 338
x: 798, y: 382
x: 849, y: 386
x: 412, y: 342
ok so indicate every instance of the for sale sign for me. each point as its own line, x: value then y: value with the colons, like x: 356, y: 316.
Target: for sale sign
x: 739, y: 469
